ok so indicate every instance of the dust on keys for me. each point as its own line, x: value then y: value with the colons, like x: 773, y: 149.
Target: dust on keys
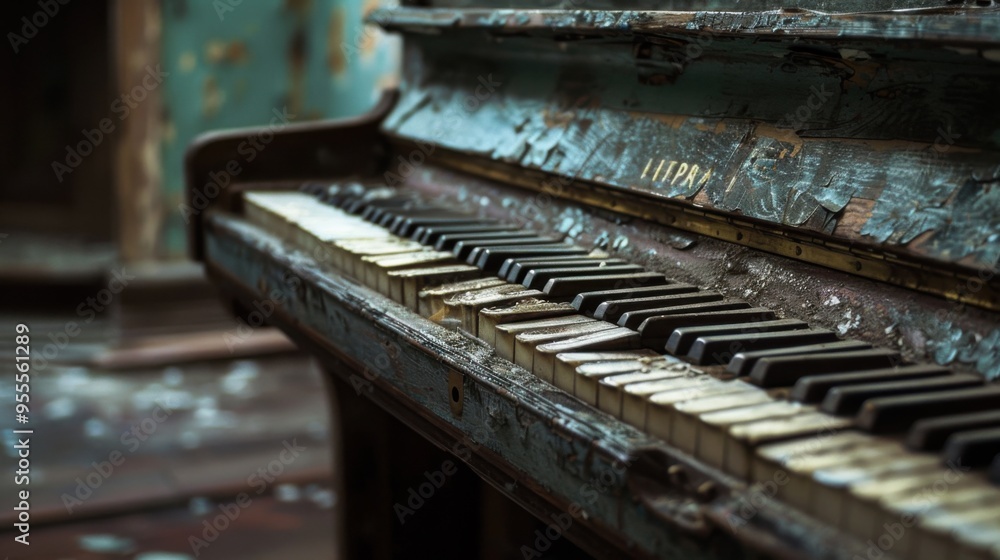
x: 853, y: 431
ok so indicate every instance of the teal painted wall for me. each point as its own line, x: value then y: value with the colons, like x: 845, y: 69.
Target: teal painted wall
x: 232, y: 63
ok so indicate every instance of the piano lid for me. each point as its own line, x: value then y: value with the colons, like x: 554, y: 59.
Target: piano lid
x: 874, y: 136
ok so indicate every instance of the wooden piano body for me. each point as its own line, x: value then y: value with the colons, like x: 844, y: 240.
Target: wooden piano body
x: 838, y: 168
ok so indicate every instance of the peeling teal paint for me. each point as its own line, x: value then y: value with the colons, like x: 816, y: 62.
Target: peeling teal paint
x: 231, y: 64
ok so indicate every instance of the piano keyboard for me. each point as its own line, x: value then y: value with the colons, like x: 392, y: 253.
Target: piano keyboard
x: 853, y: 435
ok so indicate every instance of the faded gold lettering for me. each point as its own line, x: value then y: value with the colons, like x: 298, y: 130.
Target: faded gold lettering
x: 646, y: 170
x: 677, y: 171
x: 704, y: 178
x: 669, y: 169
x: 681, y: 170
x: 689, y: 180
x: 658, y: 167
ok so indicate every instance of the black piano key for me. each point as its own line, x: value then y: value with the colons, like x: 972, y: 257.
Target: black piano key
x: 448, y: 241
x: 404, y: 224
x: 813, y: 388
x: 379, y: 215
x: 477, y: 247
x: 451, y: 241
x: 975, y: 449
x: 357, y: 207
x: 718, y: 350
x: 336, y: 194
x: 566, y: 287
x: 537, y: 278
x: 634, y: 319
x: 784, y: 371
x: 742, y: 363
x: 491, y: 258
x: 611, y: 310
x: 682, y: 339
x: 315, y: 189
x: 930, y: 434
x: 373, y: 196
x: 588, y: 302
x: 514, y: 270
x: 373, y: 211
x: 898, y: 413
x: 347, y: 195
x: 390, y: 216
x: 847, y: 399
x: 656, y: 330
x: 428, y: 235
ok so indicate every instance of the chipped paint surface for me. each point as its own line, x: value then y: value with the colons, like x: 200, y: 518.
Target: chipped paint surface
x: 895, y: 146
x: 831, y: 6
x: 558, y: 446
x: 922, y: 327
x: 230, y: 64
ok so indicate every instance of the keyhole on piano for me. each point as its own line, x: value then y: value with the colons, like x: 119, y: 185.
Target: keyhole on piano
x: 455, y: 391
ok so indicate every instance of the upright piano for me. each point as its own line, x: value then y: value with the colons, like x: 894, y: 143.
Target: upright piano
x: 681, y: 279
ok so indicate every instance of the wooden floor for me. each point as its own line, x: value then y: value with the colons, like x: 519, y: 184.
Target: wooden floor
x: 208, y: 436
x: 267, y: 530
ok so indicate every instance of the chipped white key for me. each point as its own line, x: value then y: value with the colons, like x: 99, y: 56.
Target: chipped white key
x: 797, y: 459
x: 834, y: 498
x: 351, y: 253
x: 743, y: 438
x: 940, y: 527
x: 904, y: 506
x: 526, y: 343
x: 611, y: 388
x: 617, y: 338
x: 715, y: 426
x: 911, y: 510
x: 579, y: 372
x: 377, y: 268
x: 405, y: 285
x: 522, y: 310
x: 505, y: 335
x: 638, y: 406
x: 466, y: 306
x: 679, y: 423
x: 432, y: 299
